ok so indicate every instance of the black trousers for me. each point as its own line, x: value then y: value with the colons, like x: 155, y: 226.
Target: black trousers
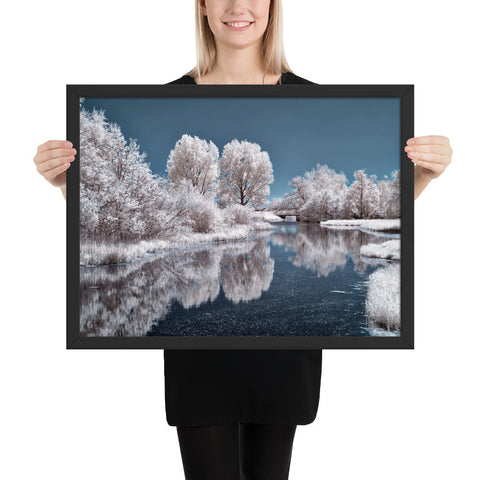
x: 239, y: 451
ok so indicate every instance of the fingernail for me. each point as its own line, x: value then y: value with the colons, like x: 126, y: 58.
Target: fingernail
x: 68, y: 144
x: 410, y: 141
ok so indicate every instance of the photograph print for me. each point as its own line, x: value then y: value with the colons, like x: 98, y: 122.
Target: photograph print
x: 240, y: 218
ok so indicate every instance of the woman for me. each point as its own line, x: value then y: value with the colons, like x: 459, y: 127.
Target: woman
x: 236, y: 411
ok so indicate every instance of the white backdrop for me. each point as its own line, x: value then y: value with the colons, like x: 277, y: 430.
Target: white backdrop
x: 100, y: 414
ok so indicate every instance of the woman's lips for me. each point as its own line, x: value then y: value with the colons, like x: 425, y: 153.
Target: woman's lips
x: 244, y: 27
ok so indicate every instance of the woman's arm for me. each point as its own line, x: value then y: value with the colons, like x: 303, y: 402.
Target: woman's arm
x: 431, y: 155
x: 419, y: 182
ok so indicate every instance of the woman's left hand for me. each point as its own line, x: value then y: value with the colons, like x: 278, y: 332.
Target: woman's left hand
x: 432, y: 153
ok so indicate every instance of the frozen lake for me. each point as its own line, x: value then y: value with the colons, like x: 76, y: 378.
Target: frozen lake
x: 299, y: 279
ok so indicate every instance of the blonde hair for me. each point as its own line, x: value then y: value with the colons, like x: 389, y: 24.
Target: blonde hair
x: 272, y: 47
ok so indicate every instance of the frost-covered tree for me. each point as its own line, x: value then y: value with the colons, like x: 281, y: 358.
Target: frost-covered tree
x: 245, y: 174
x: 363, y: 197
x: 319, y: 194
x: 97, y: 201
x: 114, y: 177
x: 236, y: 214
x: 195, y: 160
x: 320, y: 206
x: 342, y: 210
x: 279, y: 204
x: 322, y: 194
x: 384, y: 195
x: 394, y: 205
x: 301, y: 192
x: 200, y: 211
x: 119, y: 195
x: 390, y: 196
x: 328, y: 189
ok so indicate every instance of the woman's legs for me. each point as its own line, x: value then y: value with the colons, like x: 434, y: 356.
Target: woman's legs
x: 209, y: 453
x: 246, y: 451
x: 265, y: 451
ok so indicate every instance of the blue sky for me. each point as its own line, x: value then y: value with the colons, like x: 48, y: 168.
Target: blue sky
x: 346, y: 134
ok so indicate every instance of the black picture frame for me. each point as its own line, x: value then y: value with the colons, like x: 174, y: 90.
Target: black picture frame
x: 405, y: 93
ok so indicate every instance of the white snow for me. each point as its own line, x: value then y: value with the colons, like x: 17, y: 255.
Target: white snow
x: 383, y: 298
x: 269, y: 216
x: 365, y: 224
x: 389, y: 250
x: 101, y: 253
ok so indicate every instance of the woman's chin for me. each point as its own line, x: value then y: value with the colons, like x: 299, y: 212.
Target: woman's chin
x: 232, y: 42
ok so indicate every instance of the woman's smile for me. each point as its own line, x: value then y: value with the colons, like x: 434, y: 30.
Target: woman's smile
x: 238, y: 26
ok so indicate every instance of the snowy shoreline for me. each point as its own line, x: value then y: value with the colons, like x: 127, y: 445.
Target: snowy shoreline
x: 383, y: 298
x: 389, y: 250
x: 102, y: 253
x: 379, y: 225
x: 94, y: 253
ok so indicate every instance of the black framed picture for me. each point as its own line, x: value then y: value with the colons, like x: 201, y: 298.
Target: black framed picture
x: 240, y: 217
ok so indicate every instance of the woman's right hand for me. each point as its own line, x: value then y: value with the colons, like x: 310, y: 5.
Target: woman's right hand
x: 52, y: 160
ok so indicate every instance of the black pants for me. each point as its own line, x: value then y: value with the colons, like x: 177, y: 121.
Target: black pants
x: 240, y: 451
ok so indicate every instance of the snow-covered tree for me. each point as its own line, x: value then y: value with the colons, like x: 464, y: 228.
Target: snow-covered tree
x: 390, y: 196
x: 384, y: 194
x: 363, y: 197
x: 195, y: 160
x: 320, y: 206
x: 301, y: 192
x: 279, y: 204
x: 329, y: 188
x: 236, y: 214
x: 200, y: 211
x: 342, y: 209
x: 394, y: 205
x: 318, y: 194
x: 97, y: 201
x: 245, y: 174
x: 119, y: 195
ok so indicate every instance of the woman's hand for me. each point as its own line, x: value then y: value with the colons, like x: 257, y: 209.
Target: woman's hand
x: 52, y: 160
x: 431, y: 154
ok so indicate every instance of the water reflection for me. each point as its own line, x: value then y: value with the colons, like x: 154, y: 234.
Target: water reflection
x: 162, y: 292
x: 246, y: 271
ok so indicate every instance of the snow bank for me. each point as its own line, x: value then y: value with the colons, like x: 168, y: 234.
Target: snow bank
x: 383, y: 298
x: 391, y: 224
x: 270, y: 217
x: 389, y: 250
x: 102, y: 253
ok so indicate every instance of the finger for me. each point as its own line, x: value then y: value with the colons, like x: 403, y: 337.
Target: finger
x: 55, y: 162
x: 440, y: 149
x: 439, y: 139
x: 51, y: 144
x: 429, y: 157
x: 56, y: 153
x: 435, y: 167
x: 51, y: 174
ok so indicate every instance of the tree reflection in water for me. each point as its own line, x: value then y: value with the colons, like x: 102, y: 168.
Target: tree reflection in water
x: 129, y: 299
